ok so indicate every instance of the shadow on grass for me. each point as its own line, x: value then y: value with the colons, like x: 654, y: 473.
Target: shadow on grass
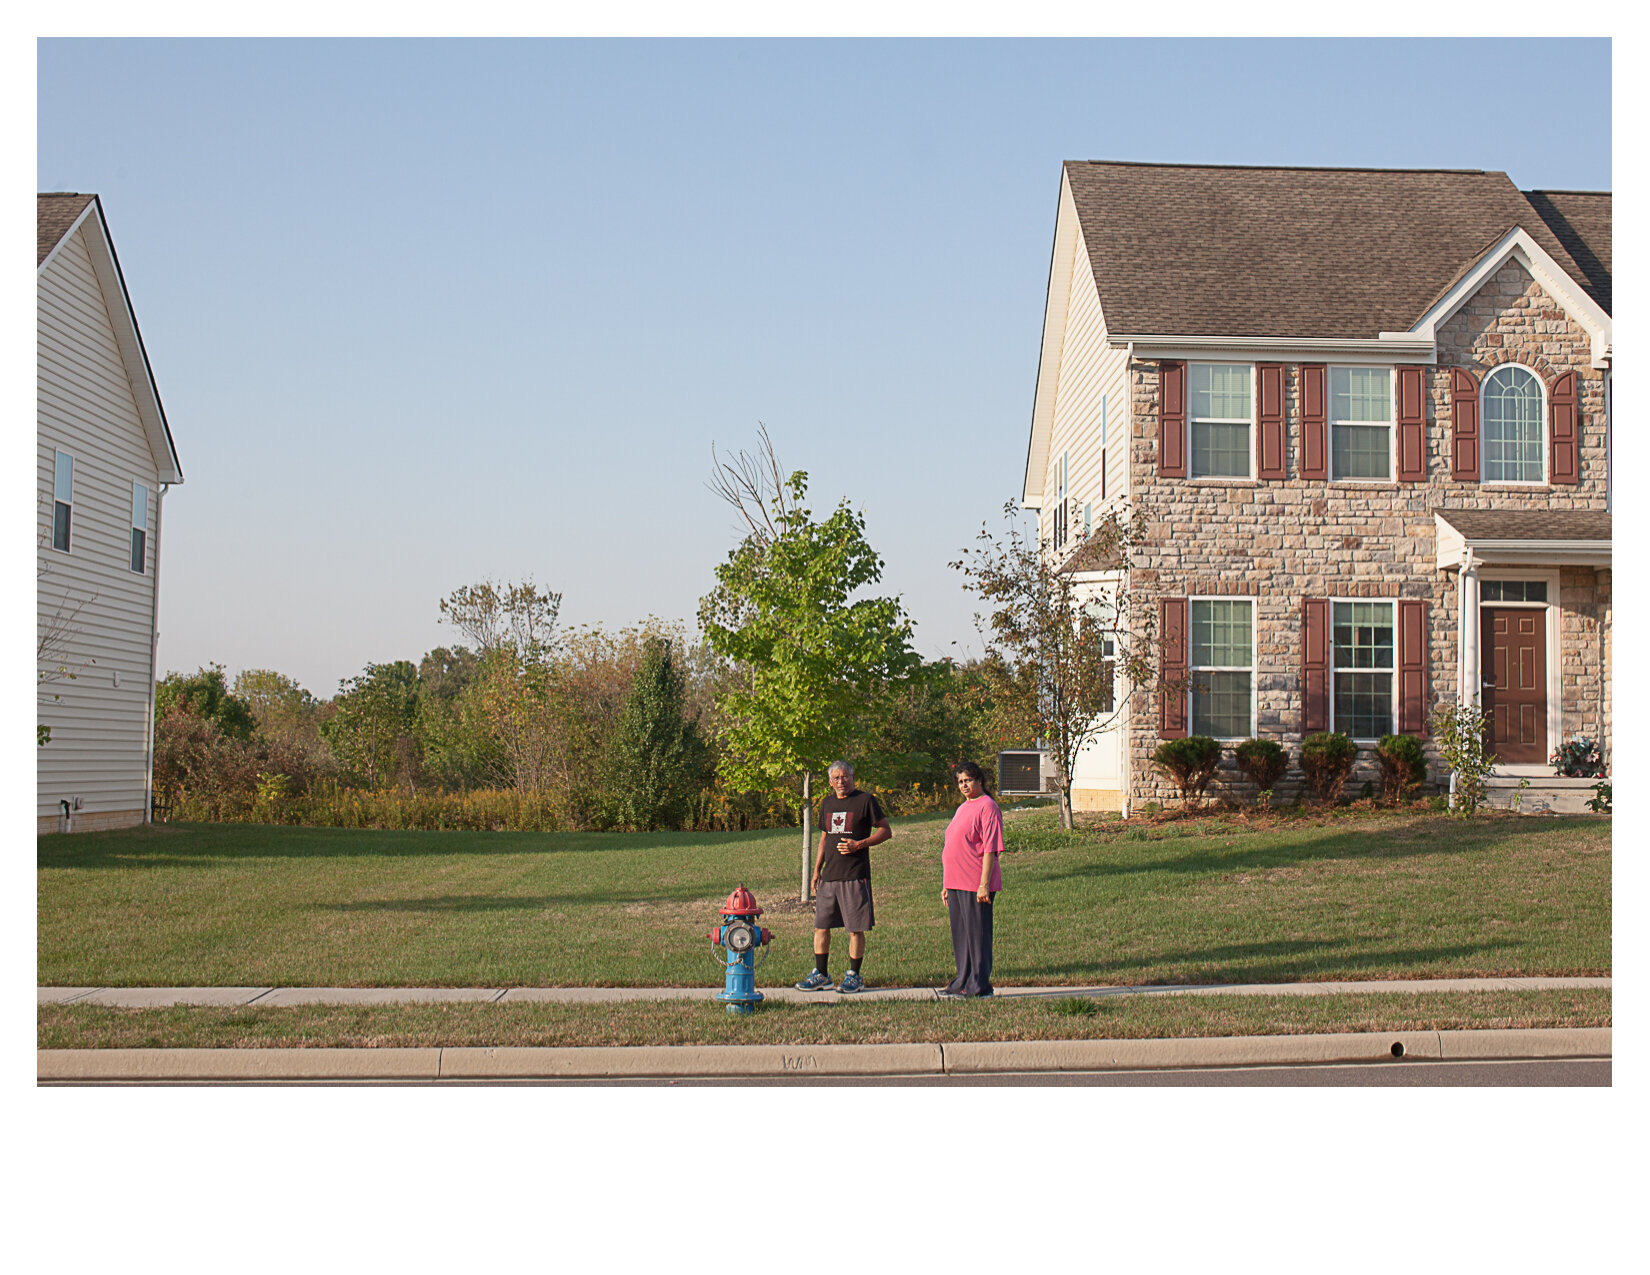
x: 1432, y: 838
x: 1273, y: 962
x: 519, y: 903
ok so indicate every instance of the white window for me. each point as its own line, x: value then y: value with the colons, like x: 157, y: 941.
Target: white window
x: 1511, y: 416
x: 1364, y: 647
x: 140, y: 526
x: 63, y: 504
x: 1218, y: 411
x: 1360, y: 422
x: 1102, y: 447
x: 1061, y: 525
x: 1222, y: 668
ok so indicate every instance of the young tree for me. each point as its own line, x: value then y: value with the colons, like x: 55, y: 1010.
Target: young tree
x: 812, y: 657
x: 1064, y: 655
x: 658, y: 761
x: 371, y: 732
x: 205, y: 694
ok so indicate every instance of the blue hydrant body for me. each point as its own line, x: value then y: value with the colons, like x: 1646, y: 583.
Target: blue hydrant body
x: 739, y: 937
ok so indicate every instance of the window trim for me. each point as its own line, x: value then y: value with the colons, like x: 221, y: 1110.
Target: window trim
x: 1193, y: 421
x: 1251, y: 668
x: 1542, y: 423
x: 1391, y: 427
x: 1060, y: 533
x: 68, y: 529
x: 1397, y: 659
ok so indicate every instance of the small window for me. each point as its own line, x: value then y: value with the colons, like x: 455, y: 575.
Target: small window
x: 1218, y: 411
x: 1363, y: 669
x: 1061, y: 517
x: 1512, y: 590
x: 1360, y: 422
x: 63, y: 504
x: 140, y: 525
x: 1222, y: 668
x: 1511, y: 422
x: 1088, y: 518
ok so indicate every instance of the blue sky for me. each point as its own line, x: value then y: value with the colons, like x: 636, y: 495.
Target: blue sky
x: 427, y: 311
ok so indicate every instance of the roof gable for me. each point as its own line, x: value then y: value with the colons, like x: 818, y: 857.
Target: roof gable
x: 56, y: 225
x: 1324, y: 253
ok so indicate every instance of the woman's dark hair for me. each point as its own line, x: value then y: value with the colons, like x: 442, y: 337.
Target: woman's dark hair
x: 973, y: 772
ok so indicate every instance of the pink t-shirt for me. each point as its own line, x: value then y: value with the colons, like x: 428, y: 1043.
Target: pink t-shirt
x: 975, y: 829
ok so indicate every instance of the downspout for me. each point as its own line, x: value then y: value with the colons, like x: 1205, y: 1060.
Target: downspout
x: 1466, y: 609
x: 154, y: 648
x: 1125, y: 754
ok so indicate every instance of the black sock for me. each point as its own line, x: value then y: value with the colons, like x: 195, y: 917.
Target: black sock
x: 822, y: 963
x: 853, y: 964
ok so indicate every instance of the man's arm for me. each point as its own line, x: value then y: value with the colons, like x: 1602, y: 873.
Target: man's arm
x: 819, y: 862
x: 882, y: 832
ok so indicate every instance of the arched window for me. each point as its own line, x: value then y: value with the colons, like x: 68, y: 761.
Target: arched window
x: 1512, y: 424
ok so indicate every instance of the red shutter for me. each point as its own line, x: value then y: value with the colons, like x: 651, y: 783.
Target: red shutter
x: 1463, y: 407
x: 1171, y: 420
x: 1314, y: 422
x: 1412, y: 426
x: 1563, y: 432
x: 1412, y: 668
x: 1269, y: 446
x: 1314, y: 665
x: 1171, y: 698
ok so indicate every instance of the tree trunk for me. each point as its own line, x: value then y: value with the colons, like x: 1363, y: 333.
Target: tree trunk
x: 1065, y: 808
x: 807, y: 832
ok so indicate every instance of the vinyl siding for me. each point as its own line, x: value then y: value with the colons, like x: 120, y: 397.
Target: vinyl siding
x: 100, y: 731
x: 1090, y: 371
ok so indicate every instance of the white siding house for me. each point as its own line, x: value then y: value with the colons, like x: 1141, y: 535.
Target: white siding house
x: 104, y: 460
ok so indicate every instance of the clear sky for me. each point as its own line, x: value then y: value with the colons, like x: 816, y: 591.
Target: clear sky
x: 423, y: 312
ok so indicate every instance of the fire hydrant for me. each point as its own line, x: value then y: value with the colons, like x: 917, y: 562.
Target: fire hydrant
x: 738, y: 940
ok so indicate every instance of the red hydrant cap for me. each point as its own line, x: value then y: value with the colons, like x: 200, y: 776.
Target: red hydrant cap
x: 741, y: 903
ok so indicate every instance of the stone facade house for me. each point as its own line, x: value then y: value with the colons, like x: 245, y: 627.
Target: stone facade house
x: 103, y: 460
x: 1361, y: 421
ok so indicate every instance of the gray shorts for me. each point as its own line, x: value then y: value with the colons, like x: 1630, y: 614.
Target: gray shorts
x: 844, y: 905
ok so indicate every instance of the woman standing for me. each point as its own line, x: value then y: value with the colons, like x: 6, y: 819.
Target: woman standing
x: 973, y: 875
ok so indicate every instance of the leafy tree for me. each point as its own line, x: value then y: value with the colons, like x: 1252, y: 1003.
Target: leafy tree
x: 812, y: 657
x: 205, y: 694
x: 658, y: 760
x: 1058, y: 655
x: 1460, y: 730
x: 520, y: 618
x: 371, y: 734
x: 455, y: 738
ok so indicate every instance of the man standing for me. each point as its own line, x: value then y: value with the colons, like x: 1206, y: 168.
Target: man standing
x: 850, y: 823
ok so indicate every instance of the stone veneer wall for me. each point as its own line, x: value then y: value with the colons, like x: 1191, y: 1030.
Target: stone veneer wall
x: 1280, y: 542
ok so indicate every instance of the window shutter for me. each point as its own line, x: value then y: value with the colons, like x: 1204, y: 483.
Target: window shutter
x: 1314, y: 665
x: 1563, y: 442
x: 1171, y: 697
x: 1463, y: 407
x: 1412, y: 668
x: 1412, y: 426
x: 1314, y: 422
x: 1171, y: 420
x: 1269, y: 446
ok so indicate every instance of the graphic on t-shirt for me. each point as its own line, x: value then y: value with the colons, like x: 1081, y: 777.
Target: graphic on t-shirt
x: 839, y: 821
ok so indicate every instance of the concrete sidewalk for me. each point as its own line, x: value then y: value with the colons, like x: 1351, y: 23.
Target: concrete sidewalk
x: 159, y: 997
x: 129, y: 1066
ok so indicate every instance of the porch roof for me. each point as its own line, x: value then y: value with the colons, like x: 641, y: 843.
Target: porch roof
x: 1533, y: 536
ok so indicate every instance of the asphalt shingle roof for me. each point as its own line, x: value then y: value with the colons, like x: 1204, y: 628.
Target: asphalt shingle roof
x: 56, y: 212
x: 1581, y: 220
x: 1336, y: 253
x: 1528, y: 524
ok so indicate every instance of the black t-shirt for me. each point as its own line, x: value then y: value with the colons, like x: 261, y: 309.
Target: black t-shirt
x: 848, y: 818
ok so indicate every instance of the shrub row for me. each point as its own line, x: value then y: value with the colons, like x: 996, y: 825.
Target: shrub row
x: 1325, y: 764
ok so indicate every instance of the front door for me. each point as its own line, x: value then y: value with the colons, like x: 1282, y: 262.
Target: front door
x: 1515, y: 683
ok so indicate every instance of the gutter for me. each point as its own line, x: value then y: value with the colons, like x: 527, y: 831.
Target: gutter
x: 1404, y: 345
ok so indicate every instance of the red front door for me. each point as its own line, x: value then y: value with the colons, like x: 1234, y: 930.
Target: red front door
x: 1515, y: 683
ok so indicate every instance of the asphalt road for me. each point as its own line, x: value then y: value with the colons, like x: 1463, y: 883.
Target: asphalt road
x: 1409, y: 1073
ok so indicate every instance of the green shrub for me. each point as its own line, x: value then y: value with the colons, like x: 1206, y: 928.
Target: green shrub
x: 1601, y: 802
x: 1326, y: 761
x: 1403, y: 765
x: 1263, y: 762
x: 1190, y: 762
x: 1459, y: 729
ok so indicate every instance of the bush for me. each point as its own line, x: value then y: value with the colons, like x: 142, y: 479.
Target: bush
x: 1581, y: 758
x: 1403, y: 765
x: 1263, y: 762
x: 1326, y: 761
x: 1459, y: 729
x: 1190, y: 762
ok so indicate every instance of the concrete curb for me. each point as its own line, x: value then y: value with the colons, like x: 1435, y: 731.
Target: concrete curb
x: 93, y: 1065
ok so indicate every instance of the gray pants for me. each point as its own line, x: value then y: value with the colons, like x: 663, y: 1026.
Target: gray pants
x: 970, y: 941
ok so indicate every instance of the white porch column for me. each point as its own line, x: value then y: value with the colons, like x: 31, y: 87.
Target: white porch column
x: 1471, y: 688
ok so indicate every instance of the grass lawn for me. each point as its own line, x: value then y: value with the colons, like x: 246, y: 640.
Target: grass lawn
x: 1216, y: 900
x: 700, y: 1023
